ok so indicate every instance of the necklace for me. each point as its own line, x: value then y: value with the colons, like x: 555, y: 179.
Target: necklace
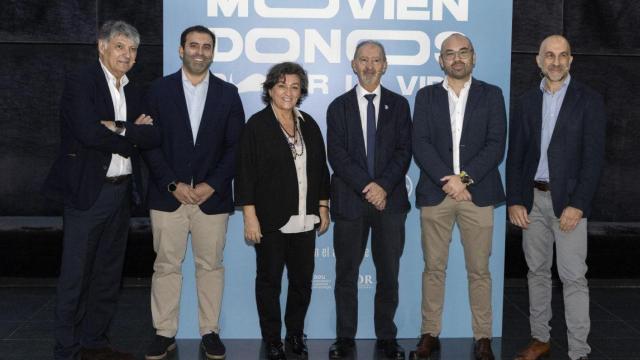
x: 292, y: 140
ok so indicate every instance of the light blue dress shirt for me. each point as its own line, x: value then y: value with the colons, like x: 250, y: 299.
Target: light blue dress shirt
x: 551, y: 104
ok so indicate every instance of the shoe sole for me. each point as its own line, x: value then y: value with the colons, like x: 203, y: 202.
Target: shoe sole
x: 170, y: 349
x: 435, y: 354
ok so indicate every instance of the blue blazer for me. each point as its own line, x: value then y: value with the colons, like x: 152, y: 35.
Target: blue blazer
x: 348, y: 159
x: 77, y: 176
x: 210, y: 159
x: 482, y: 142
x: 575, y: 154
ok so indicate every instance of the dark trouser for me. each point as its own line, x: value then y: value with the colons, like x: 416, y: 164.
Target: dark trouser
x: 94, y: 245
x: 275, y: 251
x: 349, y: 242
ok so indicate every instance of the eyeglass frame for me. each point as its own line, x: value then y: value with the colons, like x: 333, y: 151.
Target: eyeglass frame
x: 451, y: 55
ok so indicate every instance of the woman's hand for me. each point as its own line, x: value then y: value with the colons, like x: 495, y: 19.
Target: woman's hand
x: 251, y: 224
x: 324, y: 220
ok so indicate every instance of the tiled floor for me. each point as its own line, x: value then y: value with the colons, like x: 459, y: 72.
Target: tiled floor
x: 26, y: 321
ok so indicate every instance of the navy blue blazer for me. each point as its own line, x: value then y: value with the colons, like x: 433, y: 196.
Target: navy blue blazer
x: 482, y: 142
x: 77, y: 176
x: 575, y: 154
x: 210, y: 159
x: 348, y: 159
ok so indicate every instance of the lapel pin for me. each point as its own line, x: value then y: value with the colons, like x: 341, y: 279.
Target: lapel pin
x: 386, y: 107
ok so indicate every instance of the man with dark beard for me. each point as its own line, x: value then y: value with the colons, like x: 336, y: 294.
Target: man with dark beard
x: 459, y: 130
x: 556, y: 153
x: 200, y: 118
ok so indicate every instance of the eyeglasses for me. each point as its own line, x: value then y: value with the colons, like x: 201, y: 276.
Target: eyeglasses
x: 464, y: 54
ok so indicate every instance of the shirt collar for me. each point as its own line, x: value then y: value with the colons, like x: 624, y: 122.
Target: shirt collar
x: 361, y: 92
x: 112, y: 79
x: 204, y: 81
x: 445, y: 83
x: 565, y: 83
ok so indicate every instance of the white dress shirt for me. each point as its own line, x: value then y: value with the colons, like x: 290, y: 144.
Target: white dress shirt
x: 195, y: 96
x: 362, y: 106
x: 457, y: 107
x: 119, y: 165
x: 301, y: 222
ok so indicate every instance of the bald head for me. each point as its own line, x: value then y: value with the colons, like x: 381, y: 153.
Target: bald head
x: 458, y: 36
x: 554, y: 41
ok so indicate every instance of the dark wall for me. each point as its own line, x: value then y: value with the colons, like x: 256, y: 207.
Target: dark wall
x: 41, y: 41
x: 606, y: 55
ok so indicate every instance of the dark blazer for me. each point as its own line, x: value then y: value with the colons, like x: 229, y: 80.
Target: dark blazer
x: 266, y: 171
x: 210, y: 160
x: 348, y: 159
x: 575, y: 154
x: 77, y: 176
x: 482, y: 142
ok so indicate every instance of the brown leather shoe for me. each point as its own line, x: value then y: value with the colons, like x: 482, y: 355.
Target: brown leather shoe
x: 535, y: 350
x: 482, y: 349
x: 426, y: 346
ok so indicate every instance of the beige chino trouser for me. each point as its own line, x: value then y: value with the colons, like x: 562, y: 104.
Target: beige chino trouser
x: 476, y: 231
x: 170, y: 234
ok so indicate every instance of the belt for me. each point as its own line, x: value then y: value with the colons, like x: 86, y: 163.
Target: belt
x: 541, y: 185
x: 117, y: 179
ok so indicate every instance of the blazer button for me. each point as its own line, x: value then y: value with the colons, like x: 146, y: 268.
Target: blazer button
x: 449, y: 149
x: 105, y: 167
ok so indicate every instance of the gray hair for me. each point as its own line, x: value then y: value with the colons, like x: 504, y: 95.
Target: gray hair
x: 370, y: 42
x: 111, y: 29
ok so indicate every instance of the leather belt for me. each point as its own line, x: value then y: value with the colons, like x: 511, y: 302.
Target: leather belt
x: 117, y: 179
x: 541, y: 185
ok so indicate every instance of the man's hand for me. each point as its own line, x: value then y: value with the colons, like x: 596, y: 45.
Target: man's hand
x: 375, y: 194
x: 324, y: 220
x: 144, y: 120
x: 203, y: 191
x: 518, y: 216
x: 570, y: 218
x: 453, y: 185
x: 465, y: 195
x: 109, y: 124
x: 382, y: 205
x: 251, y: 224
x: 185, y: 194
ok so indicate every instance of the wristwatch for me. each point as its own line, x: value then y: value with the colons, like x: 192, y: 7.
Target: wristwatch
x: 172, y: 186
x: 465, y: 178
x: 119, y: 126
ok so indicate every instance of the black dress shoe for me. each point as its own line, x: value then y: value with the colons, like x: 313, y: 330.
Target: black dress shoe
x: 342, y: 348
x: 390, y: 348
x: 297, y: 344
x: 274, y: 350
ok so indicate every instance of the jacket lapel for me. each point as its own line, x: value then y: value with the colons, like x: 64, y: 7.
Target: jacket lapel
x: 536, y: 126
x: 475, y: 93
x: 181, y: 102
x: 210, y: 105
x: 103, y: 88
x: 569, y: 101
x: 441, y: 111
x: 355, y: 125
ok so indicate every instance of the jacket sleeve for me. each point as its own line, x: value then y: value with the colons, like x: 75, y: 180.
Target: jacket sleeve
x: 343, y: 165
x: 225, y: 168
x: 490, y: 156
x: 246, y: 165
x: 424, y: 151
x: 593, y: 148
x: 79, y: 111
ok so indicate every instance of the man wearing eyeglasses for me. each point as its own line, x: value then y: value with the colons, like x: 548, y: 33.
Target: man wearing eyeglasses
x: 459, y: 130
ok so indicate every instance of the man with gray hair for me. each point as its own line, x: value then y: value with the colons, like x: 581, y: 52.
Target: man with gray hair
x: 459, y: 133
x: 369, y: 149
x: 102, y: 128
